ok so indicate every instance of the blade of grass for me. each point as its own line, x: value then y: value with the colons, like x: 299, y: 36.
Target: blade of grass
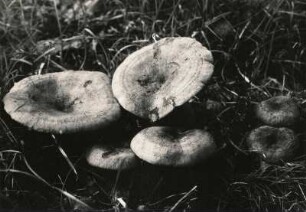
x: 183, y: 198
x: 64, y: 155
x: 65, y: 193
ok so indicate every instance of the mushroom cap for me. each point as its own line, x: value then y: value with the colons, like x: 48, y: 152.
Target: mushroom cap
x: 106, y: 157
x: 273, y: 144
x: 153, y: 80
x: 63, y: 102
x: 173, y: 147
x: 278, y: 111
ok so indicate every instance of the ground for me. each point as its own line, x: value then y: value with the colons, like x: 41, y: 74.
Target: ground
x: 259, y: 52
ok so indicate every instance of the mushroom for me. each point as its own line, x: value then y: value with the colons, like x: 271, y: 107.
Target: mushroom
x: 278, y: 111
x: 63, y: 102
x: 154, y: 80
x: 173, y: 147
x: 112, y: 158
x: 273, y: 144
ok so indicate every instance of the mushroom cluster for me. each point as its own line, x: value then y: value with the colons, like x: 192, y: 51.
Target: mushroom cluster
x: 275, y: 141
x: 150, y: 83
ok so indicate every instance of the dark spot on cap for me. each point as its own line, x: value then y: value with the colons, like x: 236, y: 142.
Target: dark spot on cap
x: 156, y: 51
x: 48, y: 95
x: 274, y: 105
x: 88, y: 82
x: 271, y: 139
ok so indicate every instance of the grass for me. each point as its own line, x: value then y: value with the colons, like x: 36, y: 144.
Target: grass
x: 259, y: 52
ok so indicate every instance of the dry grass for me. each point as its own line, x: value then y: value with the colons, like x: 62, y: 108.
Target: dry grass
x: 259, y: 52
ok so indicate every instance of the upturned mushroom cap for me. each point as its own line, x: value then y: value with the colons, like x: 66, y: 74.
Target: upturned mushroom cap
x: 111, y: 158
x: 173, y: 147
x: 63, y: 102
x: 278, y: 111
x: 153, y: 80
x: 273, y: 144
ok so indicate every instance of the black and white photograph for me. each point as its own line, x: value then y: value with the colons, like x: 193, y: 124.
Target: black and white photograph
x: 152, y: 105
